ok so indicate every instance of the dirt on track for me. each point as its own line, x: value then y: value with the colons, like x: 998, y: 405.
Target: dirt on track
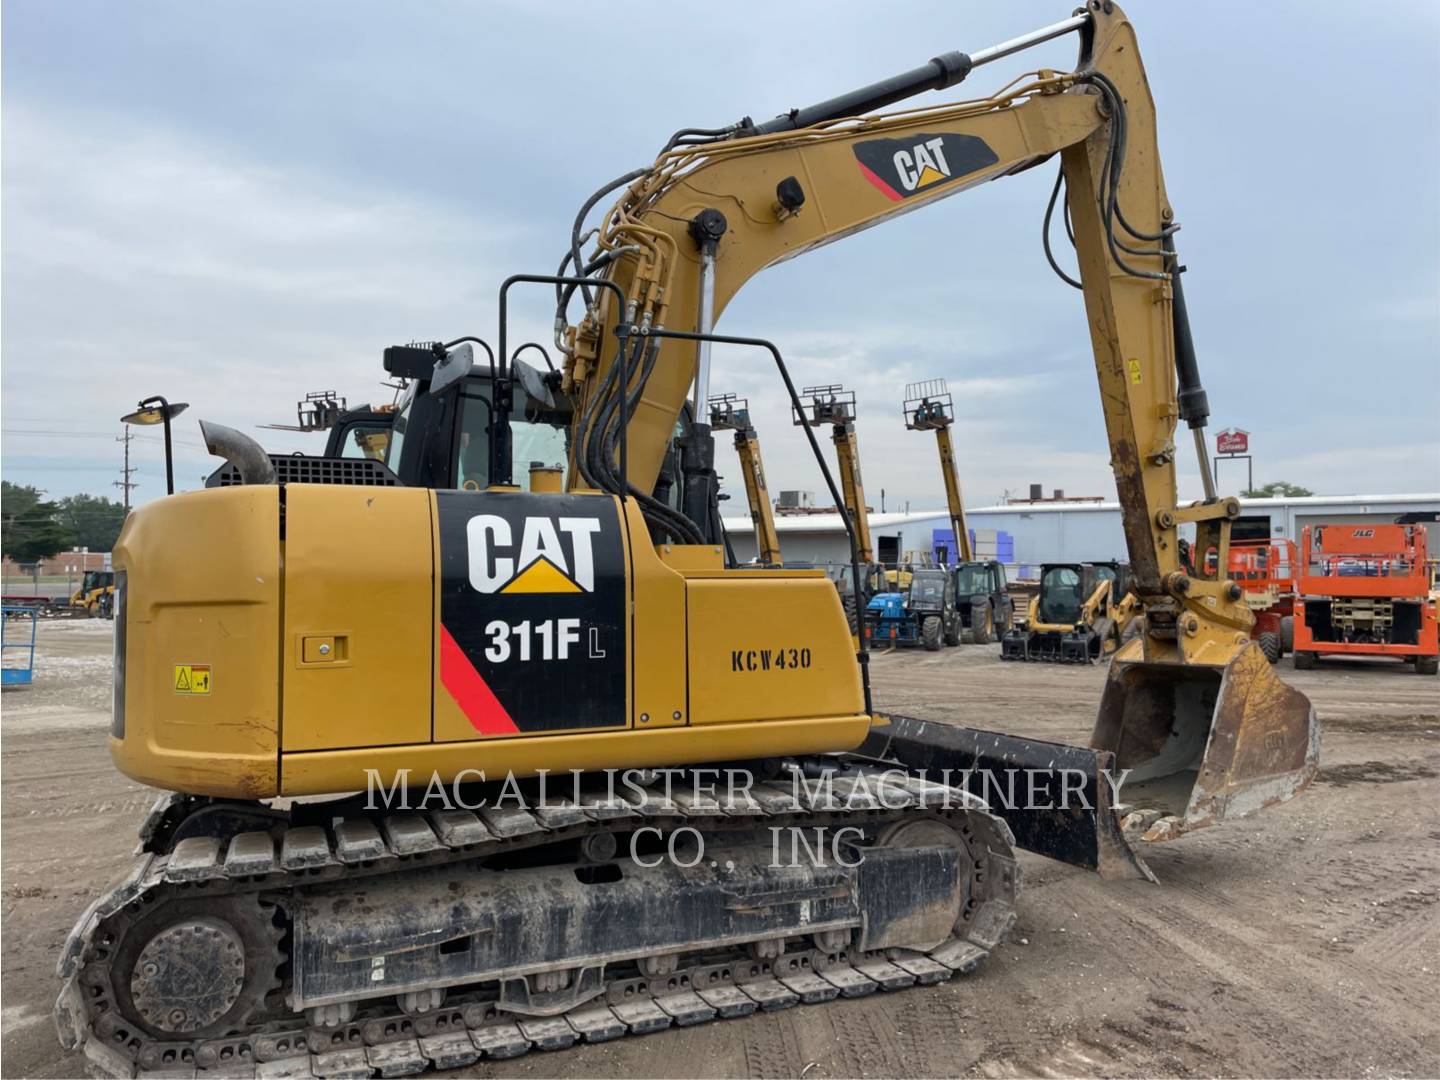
x: 1302, y: 942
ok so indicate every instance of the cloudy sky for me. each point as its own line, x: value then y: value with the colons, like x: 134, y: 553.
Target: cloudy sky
x: 235, y: 203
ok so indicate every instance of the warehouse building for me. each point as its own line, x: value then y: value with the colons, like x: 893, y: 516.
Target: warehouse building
x: 1025, y: 534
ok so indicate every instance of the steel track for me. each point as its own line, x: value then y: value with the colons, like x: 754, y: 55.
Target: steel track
x: 380, y: 1039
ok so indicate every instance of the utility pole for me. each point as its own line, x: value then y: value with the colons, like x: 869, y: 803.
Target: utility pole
x: 125, y: 482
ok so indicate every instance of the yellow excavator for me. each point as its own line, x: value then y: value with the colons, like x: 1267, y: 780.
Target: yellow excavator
x: 557, y: 661
x: 731, y: 413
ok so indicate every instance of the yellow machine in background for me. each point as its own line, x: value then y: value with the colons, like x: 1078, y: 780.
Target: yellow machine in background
x: 96, y: 594
x: 1078, y: 616
x: 929, y: 407
x: 319, y: 639
x: 832, y: 404
x: 729, y: 413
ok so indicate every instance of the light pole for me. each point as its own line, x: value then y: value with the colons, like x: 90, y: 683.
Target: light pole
x: 156, y: 410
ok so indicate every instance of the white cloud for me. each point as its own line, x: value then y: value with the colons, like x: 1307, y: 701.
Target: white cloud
x: 236, y: 203
x: 140, y: 262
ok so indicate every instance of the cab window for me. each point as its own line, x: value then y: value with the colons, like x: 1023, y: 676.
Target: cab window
x: 366, y: 441
x: 472, y: 466
x: 539, y: 434
x: 398, y: 428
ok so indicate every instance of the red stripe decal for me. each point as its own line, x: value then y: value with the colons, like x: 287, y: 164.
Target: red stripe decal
x: 475, y: 698
x: 889, y: 192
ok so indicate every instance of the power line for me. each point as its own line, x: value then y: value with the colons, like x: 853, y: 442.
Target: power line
x: 125, y: 483
x: 57, y: 434
x: 99, y: 435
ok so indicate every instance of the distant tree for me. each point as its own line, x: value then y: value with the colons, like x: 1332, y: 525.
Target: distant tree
x: 92, y: 521
x: 1280, y: 489
x: 30, y: 527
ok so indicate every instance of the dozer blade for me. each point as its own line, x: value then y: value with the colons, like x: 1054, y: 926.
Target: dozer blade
x: 1055, y: 798
x: 1205, y: 743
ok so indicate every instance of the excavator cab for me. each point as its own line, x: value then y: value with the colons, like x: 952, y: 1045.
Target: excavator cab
x: 447, y: 437
x: 439, y: 434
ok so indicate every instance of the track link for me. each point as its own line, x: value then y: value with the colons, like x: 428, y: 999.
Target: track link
x: 379, y: 1038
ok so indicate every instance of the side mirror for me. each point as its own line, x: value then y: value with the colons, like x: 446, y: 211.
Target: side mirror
x: 451, y: 371
x: 535, y: 384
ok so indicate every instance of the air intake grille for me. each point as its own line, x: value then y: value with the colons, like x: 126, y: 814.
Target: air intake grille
x: 298, y: 469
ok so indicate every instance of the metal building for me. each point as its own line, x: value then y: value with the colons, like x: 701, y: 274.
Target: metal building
x: 1069, y: 532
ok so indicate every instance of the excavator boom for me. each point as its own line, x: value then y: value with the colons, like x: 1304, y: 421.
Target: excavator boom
x: 1186, y: 708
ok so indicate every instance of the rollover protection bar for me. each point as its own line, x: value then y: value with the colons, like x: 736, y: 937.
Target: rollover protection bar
x: 946, y: 70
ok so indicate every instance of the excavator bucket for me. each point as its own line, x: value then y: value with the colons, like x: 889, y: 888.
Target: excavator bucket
x: 1175, y: 746
x: 1199, y: 744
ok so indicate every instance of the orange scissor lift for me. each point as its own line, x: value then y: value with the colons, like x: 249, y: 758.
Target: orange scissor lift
x: 1265, y: 569
x: 1365, y: 590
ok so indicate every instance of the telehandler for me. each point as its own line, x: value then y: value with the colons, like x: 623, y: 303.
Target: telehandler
x: 729, y: 413
x: 832, y: 404
x: 542, y: 613
x: 981, y: 595
x: 922, y: 612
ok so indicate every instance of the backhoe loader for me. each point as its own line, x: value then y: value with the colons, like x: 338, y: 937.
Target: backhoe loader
x: 533, y: 606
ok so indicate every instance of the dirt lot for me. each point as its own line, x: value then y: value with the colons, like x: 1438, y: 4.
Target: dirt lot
x: 1302, y: 942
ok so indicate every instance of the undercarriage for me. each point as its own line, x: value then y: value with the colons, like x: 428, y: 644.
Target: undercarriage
x: 332, y: 939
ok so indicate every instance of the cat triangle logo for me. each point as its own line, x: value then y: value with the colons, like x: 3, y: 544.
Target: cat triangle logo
x: 929, y: 176
x: 541, y: 576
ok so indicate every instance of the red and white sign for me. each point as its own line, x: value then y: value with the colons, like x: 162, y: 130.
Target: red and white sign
x: 1232, y: 441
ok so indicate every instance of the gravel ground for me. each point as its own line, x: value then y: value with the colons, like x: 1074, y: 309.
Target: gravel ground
x: 1304, y: 941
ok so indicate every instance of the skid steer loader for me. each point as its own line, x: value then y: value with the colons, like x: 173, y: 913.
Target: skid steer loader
x: 1078, y: 616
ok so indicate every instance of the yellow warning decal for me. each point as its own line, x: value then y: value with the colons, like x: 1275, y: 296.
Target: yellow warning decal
x: 192, y: 678
x: 1134, y: 366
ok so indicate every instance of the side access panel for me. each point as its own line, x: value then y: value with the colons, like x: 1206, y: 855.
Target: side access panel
x: 195, y: 643
x: 357, y: 637
x: 768, y: 647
